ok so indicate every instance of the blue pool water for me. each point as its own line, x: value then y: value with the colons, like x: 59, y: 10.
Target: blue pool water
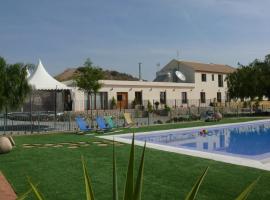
x: 250, y: 140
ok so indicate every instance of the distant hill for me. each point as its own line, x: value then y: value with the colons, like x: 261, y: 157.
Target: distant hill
x: 69, y: 74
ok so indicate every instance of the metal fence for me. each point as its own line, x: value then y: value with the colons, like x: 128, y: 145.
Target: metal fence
x: 45, y: 121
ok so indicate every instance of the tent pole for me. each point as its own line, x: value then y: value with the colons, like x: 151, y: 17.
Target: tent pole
x: 31, y: 110
x: 91, y: 108
x: 55, y: 101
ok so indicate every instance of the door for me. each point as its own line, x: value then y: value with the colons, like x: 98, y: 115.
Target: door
x: 122, y: 100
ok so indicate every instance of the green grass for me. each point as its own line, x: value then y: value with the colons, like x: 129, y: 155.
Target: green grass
x: 188, y: 124
x: 167, y: 175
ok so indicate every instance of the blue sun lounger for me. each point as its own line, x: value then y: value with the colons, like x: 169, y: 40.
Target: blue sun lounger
x: 110, y: 122
x: 83, y: 126
x: 102, y: 124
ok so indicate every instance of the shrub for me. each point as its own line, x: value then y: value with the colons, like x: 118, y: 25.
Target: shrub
x: 149, y: 107
x: 156, y: 105
x: 113, y: 103
x: 167, y: 108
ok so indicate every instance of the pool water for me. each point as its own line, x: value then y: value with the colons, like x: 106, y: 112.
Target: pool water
x: 249, y: 140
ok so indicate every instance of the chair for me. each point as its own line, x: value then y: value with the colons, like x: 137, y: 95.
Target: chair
x: 83, y: 126
x: 110, y: 121
x: 102, y: 124
x: 128, y: 119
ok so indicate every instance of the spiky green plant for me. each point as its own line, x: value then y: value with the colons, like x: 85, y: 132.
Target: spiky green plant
x: 244, y: 195
x: 193, y: 192
x: 33, y: 188
x: 115, y: 186
x: 88, y: 186
x: 132, y: 193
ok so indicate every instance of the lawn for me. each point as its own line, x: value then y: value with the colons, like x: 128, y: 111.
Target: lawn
x: 170, y: 176
x: 190, y: 124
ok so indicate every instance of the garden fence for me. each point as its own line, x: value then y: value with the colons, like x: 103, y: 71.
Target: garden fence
x: 34, y: 121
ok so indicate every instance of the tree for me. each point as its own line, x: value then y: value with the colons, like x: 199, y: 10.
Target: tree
x: 14, y: 87
x: 17, y: 85
x: 2, y: 81
x: 251, y: 81
x: 88, y: 77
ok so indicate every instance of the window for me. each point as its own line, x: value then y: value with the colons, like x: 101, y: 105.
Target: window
x: 203, y: 77
x: 213, y: 77
x: 184, y: 97
x: 219, y: 97
x: 227, y: 97
x: 104, y: 100
x: 138, y: 98
x: 220, y: 80
x: 96, y: 101
x: 202, y: 97
x: 163, y: 97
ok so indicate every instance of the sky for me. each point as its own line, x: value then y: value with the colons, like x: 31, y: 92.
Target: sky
x: 118, y: 34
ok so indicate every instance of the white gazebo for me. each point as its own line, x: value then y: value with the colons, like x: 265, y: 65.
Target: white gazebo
x: 40, y: 79
x: 48, y: 93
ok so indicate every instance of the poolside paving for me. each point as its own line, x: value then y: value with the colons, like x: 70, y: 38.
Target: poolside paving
x: 6, y: 191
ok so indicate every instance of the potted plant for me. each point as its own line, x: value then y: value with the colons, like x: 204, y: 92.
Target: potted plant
x: 165, y: 111
x: 149, y: 107
x: 113, y: 103
x: 156, y: 105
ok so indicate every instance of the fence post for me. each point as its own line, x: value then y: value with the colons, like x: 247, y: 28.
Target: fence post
x: 38, y: 121
x: 69, y: 120
x: 55, y: 106
x: 31, y: 120
x: 11, y: 124
x: 148, y: 117
x: 5, y: 121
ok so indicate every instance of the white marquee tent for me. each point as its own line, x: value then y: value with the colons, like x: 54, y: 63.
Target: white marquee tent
x: 40, y: 79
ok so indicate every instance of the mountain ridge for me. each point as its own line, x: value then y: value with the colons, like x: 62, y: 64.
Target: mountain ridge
x: 69, y: 74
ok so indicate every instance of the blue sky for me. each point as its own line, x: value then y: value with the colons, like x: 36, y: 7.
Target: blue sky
x: 117, y: 34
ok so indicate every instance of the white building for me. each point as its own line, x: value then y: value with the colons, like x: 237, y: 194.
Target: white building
x: 179, y: 83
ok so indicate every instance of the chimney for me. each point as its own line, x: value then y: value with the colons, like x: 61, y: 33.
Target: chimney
x: 140, y: 71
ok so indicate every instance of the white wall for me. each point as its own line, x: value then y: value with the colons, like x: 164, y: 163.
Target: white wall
x: 209, y: 87
x: 151, y: 90
x: 78, y: 99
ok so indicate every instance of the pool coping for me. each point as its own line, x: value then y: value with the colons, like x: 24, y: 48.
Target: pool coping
x: 259, y: 164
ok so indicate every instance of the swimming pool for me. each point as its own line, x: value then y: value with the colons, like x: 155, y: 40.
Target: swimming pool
x: 245, y: 143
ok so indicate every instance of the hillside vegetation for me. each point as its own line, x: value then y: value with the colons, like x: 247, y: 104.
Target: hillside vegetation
x: 69, y: 74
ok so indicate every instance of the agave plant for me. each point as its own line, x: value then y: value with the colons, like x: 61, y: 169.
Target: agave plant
x: 132, y: 191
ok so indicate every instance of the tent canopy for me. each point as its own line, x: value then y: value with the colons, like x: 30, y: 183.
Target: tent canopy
x: 40, y: 79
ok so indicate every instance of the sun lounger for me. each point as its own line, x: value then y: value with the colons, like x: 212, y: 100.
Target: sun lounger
x: 128, y: 119
x: 102, y: 124
x: 82, y: 124
x: 110, y: 122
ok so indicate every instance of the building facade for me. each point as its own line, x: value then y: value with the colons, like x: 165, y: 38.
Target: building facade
x: 179, y: 83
